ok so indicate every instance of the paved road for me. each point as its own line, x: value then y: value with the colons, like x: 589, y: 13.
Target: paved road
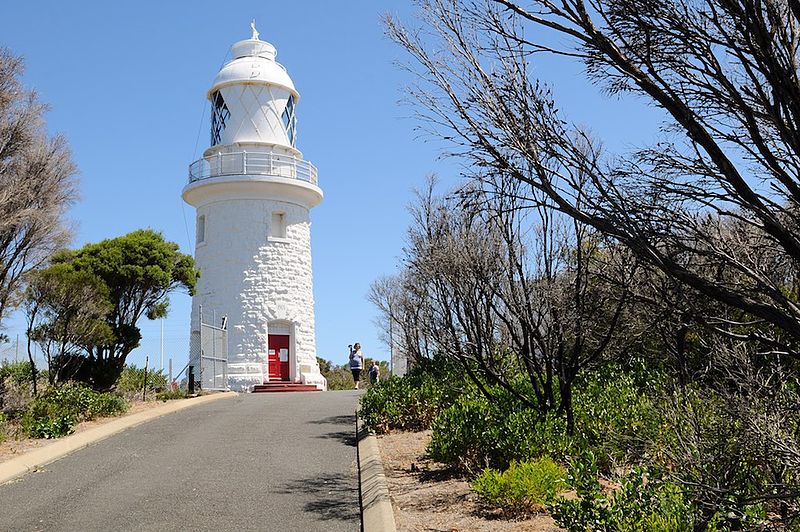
x: 272, y: 462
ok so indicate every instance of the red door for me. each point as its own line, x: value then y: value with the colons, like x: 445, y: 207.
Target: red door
x: 278, y: 357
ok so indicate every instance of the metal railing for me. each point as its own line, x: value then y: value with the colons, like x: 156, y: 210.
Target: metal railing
x: 252, y: 163
x: 208, y: 355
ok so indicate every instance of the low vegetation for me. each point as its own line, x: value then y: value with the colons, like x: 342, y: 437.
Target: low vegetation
x: 133, y: 381
x: 637, y: 461
x: 56, y: 411
x: 58, y: 408
x: 523, y: 488
x: 629, y: 312
x: 412, y: 402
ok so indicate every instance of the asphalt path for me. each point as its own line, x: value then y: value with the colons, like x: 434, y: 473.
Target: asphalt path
x: 280, y: 461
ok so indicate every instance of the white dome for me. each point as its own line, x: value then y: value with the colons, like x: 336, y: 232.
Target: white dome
x: 253, y: 63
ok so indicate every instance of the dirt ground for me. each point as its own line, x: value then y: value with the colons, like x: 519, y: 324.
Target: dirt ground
x: 430, y: 499
x: 12, y: 448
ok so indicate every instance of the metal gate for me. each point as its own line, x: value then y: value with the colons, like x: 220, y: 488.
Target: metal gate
x: 212, y: 343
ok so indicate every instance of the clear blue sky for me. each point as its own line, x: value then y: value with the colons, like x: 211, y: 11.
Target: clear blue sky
x: 126, y: 82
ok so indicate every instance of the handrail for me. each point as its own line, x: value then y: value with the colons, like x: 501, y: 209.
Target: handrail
x: 252, y: 163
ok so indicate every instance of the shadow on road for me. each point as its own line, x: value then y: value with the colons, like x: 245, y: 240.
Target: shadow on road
x: 336, y: 420
x: 346, y: 436
x: 334, y: 497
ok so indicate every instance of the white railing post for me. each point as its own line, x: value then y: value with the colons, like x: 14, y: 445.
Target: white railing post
x: 219, y: 163
x: 244, y: 162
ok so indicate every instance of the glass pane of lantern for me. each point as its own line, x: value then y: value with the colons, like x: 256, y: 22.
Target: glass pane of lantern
x: 219, y: 116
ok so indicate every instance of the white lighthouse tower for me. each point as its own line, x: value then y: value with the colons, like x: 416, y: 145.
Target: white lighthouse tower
x: 253, y: 191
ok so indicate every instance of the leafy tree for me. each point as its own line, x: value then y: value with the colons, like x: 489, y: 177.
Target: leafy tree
x: 37, y: 184
x: 139, y: 271
x: 714, y: 204
x: 324, y: 365
x: 65, y: 310
x: 507, y: 301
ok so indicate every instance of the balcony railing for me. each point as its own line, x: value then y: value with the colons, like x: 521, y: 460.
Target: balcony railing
x: 252, y: 163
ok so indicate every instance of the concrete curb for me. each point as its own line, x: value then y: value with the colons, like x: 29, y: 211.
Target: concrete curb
x: 377, y: 514
x: 35, y: 459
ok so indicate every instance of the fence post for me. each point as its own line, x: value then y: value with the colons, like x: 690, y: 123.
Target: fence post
x: 144, y: 386
x: 200, y: 346
x: 191, y: 379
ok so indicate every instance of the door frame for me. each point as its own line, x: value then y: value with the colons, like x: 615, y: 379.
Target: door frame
x: 285, y: 327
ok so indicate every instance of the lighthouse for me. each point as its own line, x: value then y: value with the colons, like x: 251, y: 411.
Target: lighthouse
x: 253, y: 191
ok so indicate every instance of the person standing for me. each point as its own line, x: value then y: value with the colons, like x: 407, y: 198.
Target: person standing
x: 356, y: 362
x: 374, y: 372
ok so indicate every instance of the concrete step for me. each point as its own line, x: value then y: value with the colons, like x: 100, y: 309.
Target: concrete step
x: 273, y: 387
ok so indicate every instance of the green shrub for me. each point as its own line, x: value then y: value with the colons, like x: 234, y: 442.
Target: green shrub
x: 614, y: 417
x: 131, y: 380
x: 19, y: 373
x: 474, y: 433
x: 411, y: 402
x: 465, y: 434
x: 171, y: 394
x: 400, y: 403
x: 106, y: 405
x: 645, y: 502
x: 523, y: 488
x: 58, y: 409
x: 340, y: 378
x: 3, y: 427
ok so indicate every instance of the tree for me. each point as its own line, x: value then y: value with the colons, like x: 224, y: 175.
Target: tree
x: 399, y: 320
x: 508, y: 291
x: 714, y: 205
x: 139, y: 271
x: 37, y: 184
x: 65, y: 311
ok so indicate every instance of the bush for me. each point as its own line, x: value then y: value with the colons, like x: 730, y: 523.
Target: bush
x: 523, y: 488
x: 645, y: 502
x: 106, y: 405
x: 56, y: 411
x: 19, y: 373
x: 3, y: 427
x: 131, y: 380
x: 400, y: 403
x: 465, y: 434
x: 339, y: 378
x: 171, y: 394
x: 411, y: 402
x: 614, y: 417
x: 474, y: 433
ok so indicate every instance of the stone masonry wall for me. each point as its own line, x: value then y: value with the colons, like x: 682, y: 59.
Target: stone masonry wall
x: 255, y: 280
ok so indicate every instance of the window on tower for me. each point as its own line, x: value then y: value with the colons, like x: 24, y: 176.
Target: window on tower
x: 201, y: 228
x: 219, y: 116
x: 290, y: 120
x: 277, y: 228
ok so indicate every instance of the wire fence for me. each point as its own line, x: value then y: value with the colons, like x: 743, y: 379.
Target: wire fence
x: 209, y: 351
